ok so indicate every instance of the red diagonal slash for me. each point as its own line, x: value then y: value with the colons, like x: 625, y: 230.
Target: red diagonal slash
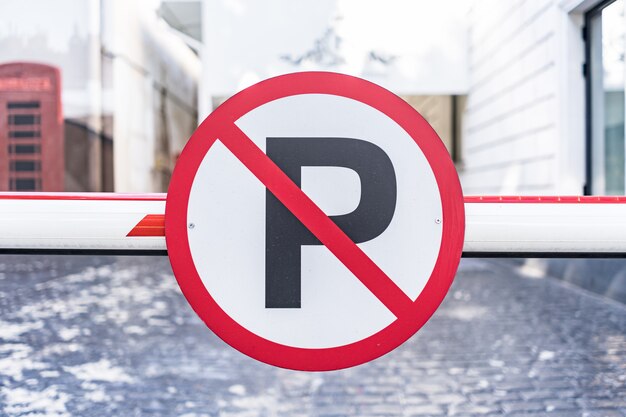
x: 314, y: 219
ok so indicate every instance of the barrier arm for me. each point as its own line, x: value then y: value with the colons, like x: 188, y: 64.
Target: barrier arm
x: 134, y: 224
x: 87, y: 223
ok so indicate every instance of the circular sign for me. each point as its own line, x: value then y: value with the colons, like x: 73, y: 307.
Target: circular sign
x: 314, y: 221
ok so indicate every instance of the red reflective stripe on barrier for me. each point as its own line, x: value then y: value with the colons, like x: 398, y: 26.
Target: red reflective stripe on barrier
x: 547, y: 199
x: 83, y: 196
x: 162, y: 197
x: 151, y: 225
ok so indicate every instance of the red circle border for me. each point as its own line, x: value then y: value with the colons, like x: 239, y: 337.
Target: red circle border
x: 385, y: 340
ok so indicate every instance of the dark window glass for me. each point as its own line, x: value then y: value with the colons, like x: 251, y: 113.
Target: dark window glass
x: 606, y: 154
x: 25, y: 166
x: 23, y: 119
x: 24, y: 149
x: 24, y: 134
x: 24, y: 184
x: 23, y: 105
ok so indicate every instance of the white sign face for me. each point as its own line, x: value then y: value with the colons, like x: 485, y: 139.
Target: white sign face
x: 228, y: 245
x: 314, y: 221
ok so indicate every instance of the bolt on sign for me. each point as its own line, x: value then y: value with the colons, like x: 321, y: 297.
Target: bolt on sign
x: 314, y: 221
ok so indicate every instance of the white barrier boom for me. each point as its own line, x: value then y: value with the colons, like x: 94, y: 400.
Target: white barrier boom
x: 87, y: 222
x: 135, y: 224
x: 545, y: 226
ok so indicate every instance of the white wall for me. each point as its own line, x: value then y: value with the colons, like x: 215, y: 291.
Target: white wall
x: 523, y: 130
x: 408, y: 46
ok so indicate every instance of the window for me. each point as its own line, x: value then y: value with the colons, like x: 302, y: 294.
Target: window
x: 25, y: 184
x: 25, y: 166
x: 24, y: 149
x: 23, y: 105
x: 20, y: 134
x: 24, y: 145
x: 23, y: 119
x: 606, y: 48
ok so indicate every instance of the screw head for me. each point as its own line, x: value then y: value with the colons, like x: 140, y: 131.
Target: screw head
x: 191, y: 225
x: 438, y: 220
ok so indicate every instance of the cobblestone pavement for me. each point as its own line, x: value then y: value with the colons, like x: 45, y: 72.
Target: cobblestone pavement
x: 114, y: 336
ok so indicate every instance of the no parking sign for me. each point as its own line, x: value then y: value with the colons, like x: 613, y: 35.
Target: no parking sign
x: 314, y: 221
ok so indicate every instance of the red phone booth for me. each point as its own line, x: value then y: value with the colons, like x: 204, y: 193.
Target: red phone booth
x: 31, y: 128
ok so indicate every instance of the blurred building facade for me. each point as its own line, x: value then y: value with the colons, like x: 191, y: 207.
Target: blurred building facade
x: 527, y: 95
x: 128, y: 89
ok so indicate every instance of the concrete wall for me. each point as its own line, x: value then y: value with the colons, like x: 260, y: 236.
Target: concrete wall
x: 523, y: 130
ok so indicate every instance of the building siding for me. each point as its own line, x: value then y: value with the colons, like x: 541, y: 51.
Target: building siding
x: 510, y: 123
